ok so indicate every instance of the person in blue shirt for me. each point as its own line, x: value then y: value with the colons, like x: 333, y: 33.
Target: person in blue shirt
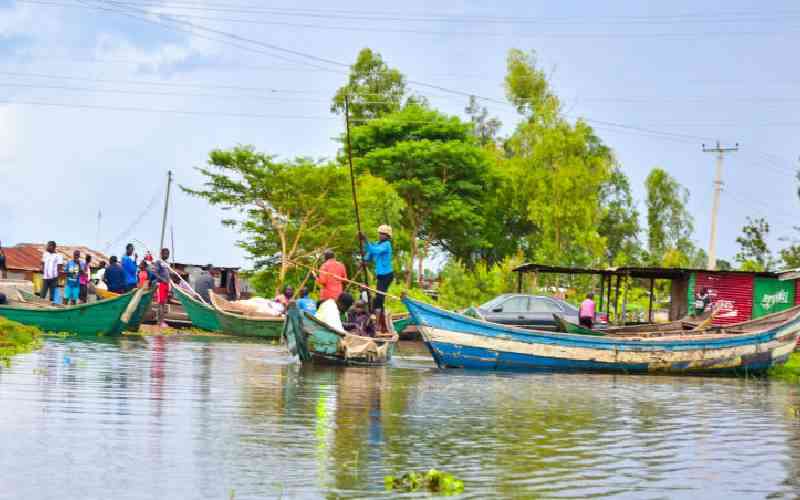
x: 73, y: 270
x: 130, y: 267
x: 304, y: 303
x: 115, y: 276
x: 381, y: 254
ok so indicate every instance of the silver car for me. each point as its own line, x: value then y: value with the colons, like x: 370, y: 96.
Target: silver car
x: 531, y: 311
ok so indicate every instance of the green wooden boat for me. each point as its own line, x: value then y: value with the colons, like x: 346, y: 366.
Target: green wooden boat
x: 201, y: 315
x: 242, y: 325
x: 143, y: 299
x: 400, y: 324
x: 312, y: 340
x: 565, y: 326
x: 96, y: 318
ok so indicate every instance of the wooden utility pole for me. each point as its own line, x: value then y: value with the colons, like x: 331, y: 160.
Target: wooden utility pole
x: 166, y: 208
x: 353, y: 187
x: 712, y: 242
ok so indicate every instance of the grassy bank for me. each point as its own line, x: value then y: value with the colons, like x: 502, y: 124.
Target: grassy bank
x: 790, y: 371
x: 16, y: 338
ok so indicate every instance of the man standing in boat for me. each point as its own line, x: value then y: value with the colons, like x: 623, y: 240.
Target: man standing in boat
x: 52, y: 263
x: 164, y: 283
x: 75, y: 268
x: 331, y: 275
x: 381, y: 254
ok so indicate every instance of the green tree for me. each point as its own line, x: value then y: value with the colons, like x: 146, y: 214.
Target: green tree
x: 790, y: 256
x: 483, y: 127
x: 619, y: 224
x: 374, y: 88
x: 561, y: 167
x: 754, y: 253
x: 438, y: 169
x: 669, y: 224
x: 289, y: 212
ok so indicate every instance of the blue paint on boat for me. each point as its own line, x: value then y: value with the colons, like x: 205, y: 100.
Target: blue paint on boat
x: 444, y: 320
x: 456, y: 355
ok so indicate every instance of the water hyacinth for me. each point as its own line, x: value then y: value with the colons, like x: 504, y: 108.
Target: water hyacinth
x: 433, y: 481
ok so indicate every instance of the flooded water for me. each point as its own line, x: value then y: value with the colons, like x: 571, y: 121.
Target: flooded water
x: 212, y: 418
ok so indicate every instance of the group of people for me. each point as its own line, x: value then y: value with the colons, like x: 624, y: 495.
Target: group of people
x: 336, y: 306
x: 115, y: 276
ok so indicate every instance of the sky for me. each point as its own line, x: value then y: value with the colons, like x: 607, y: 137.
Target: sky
x: 99, y: 99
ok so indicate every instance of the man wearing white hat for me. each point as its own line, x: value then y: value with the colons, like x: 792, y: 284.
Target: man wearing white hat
x: 381, y: 254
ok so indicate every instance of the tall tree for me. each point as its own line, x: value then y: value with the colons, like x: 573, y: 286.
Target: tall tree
x: 483, y: 127
x: 669, y: 224
x: 754, y: 253
x: 619, y: 224
x: 290, y: 211
x: 562, y: 167
x: 374, y: 88
x: 439, y: 170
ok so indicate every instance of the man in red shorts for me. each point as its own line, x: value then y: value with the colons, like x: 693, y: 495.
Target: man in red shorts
x: 164, y: 283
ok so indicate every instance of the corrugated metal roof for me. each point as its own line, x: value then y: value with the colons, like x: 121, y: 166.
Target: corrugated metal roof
x: 28, y: 256
x: 633, y: 272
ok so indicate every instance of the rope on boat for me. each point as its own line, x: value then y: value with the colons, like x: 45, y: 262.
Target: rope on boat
x: 360, y: 285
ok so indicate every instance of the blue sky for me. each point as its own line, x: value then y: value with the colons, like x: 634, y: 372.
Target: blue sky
x: 718, y: 70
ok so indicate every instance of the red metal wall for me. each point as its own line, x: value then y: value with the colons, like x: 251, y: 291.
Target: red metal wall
x: 797, y: 296
x: 733, y: 292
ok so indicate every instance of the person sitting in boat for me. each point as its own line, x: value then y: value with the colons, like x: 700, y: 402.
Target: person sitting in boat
x: 331, y: 311
x: 586, y: 311
x: 205, y: 283
x: 304, y: 303
x: 360, y: 321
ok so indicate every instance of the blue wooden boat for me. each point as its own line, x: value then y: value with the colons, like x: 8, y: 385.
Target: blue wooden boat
x: 457, y: 341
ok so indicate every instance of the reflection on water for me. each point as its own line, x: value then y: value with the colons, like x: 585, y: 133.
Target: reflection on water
x: 190, y: 418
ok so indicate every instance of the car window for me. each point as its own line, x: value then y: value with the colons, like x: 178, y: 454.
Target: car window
x: 540, y: 305
x: 495, y: 302
x: 516, y: 304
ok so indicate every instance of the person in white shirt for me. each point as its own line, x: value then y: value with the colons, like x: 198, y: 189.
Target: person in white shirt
x: 52, y: 263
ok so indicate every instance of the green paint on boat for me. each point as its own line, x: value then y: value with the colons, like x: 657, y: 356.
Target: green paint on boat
x: 401, y: 324
x: 243, y: 326
x: 565, y: 326
x: 141, y: 310
x: 95, y: 318
x: 201, y: 315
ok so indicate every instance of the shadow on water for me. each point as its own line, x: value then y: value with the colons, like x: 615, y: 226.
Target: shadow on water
x: 189, y: 417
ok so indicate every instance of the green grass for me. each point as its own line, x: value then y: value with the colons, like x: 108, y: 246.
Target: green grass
x: 16, y: 338
x: 789, y: 371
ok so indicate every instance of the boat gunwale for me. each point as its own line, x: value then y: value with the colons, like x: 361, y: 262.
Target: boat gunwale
x: 70, y: 307
x: 715, y: 340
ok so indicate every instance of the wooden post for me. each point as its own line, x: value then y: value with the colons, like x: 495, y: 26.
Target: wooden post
x: 519, y: 281
x: 608, y: 301
x: 625, y: 298
x: 602, y: 289
x: 650, y: 305
x: 616, y: 300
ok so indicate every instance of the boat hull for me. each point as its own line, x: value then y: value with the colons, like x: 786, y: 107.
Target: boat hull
x: 141, y: 310
x: 96, y: 318
x: 313, y: 340
x: 201, y: 315
x: 241, y: 326
x: 456, y: 341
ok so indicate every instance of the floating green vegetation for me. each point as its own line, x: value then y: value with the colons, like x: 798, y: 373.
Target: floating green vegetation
x: 789, y: 371
x: 16, y: 338
x: 434, y: 481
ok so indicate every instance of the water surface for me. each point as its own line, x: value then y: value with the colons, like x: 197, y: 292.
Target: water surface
x: 210, y: 418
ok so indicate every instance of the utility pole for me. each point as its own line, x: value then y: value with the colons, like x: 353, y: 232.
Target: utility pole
x: 712, y: 243
x: 166, y: 208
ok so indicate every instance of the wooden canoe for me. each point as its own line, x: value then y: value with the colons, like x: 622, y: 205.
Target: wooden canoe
x: 92, y: 319
x: 200, y: 314
x: 250, y: 325
x: 314, y: 340
x: 401, y: 322
x: 457, y: 341
x: 143, y: 298
x: 565, y: 326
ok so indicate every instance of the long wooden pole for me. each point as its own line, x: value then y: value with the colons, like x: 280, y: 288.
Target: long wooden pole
x: 355, y: 192
x: 166, y: 208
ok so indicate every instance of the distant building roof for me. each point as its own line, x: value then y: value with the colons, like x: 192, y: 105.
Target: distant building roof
x: 633, y: 272
x: 28, y: 256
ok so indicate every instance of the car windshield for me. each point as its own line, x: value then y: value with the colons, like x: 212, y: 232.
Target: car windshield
x: 495, y: 302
